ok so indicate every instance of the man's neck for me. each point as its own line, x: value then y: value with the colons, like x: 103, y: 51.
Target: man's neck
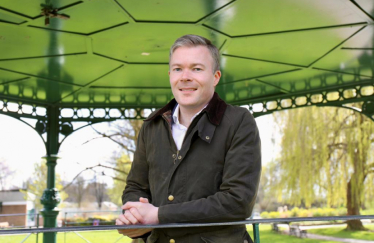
x: 185, y: 115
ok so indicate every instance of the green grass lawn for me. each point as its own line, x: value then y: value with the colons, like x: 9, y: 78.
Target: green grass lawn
x: 266, y: 236
x: 71, y: 237
x: 342, y: 233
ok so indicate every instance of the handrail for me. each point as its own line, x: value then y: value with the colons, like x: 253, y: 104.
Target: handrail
x: 17, y: 214
x: 182, y: 225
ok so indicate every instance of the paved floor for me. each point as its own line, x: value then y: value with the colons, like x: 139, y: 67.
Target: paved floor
x: 322, y: 237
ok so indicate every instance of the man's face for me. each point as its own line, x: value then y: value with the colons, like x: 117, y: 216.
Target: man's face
x: 191, y: 75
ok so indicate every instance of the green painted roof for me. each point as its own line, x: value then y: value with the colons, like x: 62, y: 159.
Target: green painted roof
x: 114, y: 53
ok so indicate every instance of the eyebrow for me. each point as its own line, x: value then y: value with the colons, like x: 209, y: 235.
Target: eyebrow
x: 193, y: 64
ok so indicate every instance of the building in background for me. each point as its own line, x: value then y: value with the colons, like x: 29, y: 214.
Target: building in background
x: 13, y: 202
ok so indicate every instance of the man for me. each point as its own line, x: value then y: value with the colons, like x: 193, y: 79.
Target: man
x: 197, y: 159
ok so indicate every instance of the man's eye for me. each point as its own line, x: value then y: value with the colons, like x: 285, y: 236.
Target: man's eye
x: 177, y: 69
x: 197, y: 69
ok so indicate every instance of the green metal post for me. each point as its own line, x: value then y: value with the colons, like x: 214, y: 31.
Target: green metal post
x: 37, y: 226
x: 256, y: 233
x: 51, y: 198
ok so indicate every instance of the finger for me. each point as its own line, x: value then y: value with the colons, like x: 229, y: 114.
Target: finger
x: 131, y: 217
x: 119, y: 222
x: 136, y: 214
x: 143, y: 200
x: 129, y: 205
x: 124, y: 219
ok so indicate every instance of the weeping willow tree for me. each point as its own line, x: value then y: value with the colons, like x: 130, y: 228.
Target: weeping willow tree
x: 326, y: 152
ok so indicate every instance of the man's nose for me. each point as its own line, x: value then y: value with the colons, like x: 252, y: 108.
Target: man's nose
x: 186, y: 75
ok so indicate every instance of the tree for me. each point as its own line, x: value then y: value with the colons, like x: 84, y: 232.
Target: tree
x: 99, y: 191
x: 125, y: 134
x: 76, y: 190
x: 123, y: 165
x: 38, y: 183
x: 326, y: 152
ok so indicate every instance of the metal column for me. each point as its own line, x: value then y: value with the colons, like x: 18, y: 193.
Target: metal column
x: 51, y: 197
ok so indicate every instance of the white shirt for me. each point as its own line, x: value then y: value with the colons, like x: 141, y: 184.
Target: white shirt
x: 179, y: 130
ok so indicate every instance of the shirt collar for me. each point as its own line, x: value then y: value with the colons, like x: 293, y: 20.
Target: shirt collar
x: 176, y: 114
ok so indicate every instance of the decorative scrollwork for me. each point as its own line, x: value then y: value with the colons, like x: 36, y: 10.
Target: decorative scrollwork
x: 50, y: 198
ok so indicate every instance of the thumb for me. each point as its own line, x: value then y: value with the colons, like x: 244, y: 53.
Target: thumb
x: 143, y: 200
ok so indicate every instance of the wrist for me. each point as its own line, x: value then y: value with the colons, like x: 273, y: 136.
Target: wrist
x: 156, y: 216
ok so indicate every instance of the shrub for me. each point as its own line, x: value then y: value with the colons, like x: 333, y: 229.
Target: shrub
x: 295, y: 212
x: 274, y: 215
x: 264, y: 215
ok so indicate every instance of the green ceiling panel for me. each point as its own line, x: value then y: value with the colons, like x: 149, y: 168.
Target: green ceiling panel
x: 290, y: 47
x: 133, y: 75
x: 6, y: 76
x: 37, y: 89
x: 32, y: 8
x: 22, y: 42
x: 146, y: 43
x: 355, y: 56
x: 103, y: 14
x: 236, y: 69
x: 277, y: 16
x: 362, y: 40
x: 349, y: 61
x: 171, y: 10
x: 367, y: 5
x: 9, y: 18
x: 75, y: 69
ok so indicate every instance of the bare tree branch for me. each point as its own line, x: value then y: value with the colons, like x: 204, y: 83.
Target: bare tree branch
x: 113, y: 168
x: 91, y: 168
x: 121, y: 144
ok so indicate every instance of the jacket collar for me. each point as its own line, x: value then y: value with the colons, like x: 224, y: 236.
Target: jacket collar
x: 215, y: 110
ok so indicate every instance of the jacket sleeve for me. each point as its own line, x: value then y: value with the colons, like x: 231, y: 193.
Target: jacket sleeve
x: 237, y: 193
x: 137, y: 184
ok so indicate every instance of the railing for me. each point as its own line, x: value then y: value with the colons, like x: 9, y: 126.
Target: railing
x: 31, y: 220
x: 254, y: 222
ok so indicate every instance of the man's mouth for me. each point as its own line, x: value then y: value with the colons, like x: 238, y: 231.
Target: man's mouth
x: 187, y: 89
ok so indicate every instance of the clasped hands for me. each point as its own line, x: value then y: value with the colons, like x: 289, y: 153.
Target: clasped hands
x: 141, y: 212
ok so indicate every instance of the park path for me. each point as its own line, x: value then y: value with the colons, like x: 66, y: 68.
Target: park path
x: 323, y: 237
x: 330, y: 238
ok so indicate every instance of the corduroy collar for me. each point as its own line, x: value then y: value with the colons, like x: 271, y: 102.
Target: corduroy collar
x: 215, y: 109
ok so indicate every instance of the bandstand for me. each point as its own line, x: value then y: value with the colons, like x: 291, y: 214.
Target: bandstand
x: 64, y: 62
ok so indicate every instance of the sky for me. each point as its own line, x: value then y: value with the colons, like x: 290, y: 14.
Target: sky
x: 21, y: 147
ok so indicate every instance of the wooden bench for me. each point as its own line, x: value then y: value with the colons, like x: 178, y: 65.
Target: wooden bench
x: 296, y: 231
x: 4, y: 224
x: 274, y: 227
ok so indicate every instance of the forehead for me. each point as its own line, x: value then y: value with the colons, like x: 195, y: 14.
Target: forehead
x: 193, y: 54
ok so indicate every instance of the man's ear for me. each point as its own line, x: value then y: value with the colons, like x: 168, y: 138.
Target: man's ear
x: 217, y: 76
